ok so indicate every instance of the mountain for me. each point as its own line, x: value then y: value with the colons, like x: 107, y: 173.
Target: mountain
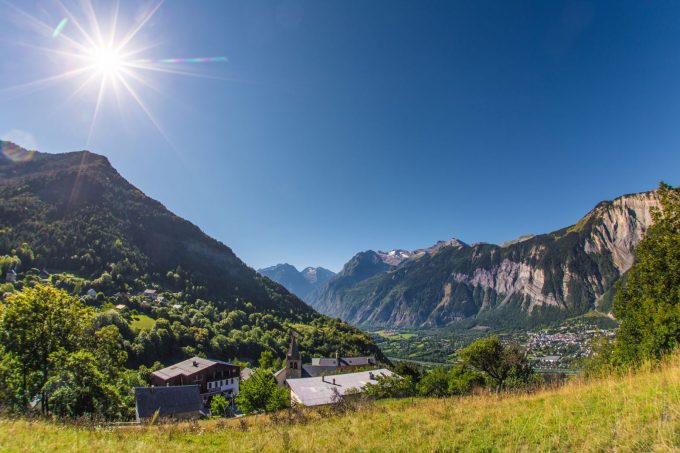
x: 74, y: 215
x: 530, y: 280
x: 317, y: 275
x: 300, y: 283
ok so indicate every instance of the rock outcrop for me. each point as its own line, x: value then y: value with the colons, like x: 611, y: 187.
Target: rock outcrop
x: 529, y: 280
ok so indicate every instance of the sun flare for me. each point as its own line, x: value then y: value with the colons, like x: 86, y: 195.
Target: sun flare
x: 107, y: 61
x: 105, y: 57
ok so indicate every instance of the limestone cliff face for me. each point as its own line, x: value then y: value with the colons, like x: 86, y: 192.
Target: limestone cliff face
x: 623, y: 223
x: 534, y: 278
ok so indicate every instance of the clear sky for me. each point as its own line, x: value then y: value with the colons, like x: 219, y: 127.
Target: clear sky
x: 341, y: 126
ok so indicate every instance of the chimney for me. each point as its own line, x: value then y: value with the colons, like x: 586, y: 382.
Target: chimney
x: 333, y: 381
x: 323, y: 378
x: 195, y: 363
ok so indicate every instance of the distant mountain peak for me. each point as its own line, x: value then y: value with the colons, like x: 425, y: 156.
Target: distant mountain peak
x: 394, y: 257
x: 300, y: 283
x: 397, y: 256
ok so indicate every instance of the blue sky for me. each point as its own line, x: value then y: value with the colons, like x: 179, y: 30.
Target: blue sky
x: 341, y: 126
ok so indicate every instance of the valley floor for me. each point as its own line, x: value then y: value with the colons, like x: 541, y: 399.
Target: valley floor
x: 639, y: 412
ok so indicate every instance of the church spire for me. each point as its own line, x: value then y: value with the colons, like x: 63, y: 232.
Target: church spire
x: 293, y: 352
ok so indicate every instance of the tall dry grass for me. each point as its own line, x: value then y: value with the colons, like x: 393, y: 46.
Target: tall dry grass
x: 636, y: 411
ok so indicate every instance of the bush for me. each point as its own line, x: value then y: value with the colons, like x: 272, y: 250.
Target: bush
x: 219, y: 406
x: 435, y: 383
x: 463, y: 380
x: 393, y: 386
x: 261, y: 393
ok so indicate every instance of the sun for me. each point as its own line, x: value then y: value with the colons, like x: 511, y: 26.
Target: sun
x: 104, y: 57
x: 107, y: 61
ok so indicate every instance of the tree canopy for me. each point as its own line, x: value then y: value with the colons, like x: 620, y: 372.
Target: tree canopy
x: 499, y: 362
x: 260, y: 393
x: 53, y: 353
x: 648, y: 302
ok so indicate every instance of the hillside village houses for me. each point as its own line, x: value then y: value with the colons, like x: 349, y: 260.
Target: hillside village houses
x: 323, y: 381
x: 187, y: 388
x: 295, y: 369
x: 184, y: 390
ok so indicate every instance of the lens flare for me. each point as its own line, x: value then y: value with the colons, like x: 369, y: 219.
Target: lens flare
x: 15, y: 153
x: 105, y: 57
x: 60, y: 27
x: 184, y: 60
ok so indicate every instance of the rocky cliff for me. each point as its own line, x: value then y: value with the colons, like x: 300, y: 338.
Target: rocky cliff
x: 530, y: 280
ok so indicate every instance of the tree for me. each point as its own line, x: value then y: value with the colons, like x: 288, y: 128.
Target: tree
x: 11, y: 379
x: 79, y: 387
x: 462, y: 380
x: 499, y: 363
x: 392, y: 386
x: 435, y: 383
x: 109, y: 351
x: 408, y: 369
x: 648, y: 302
x: 37, y: 323
x: 260, y: 393
x: 268, y: 361
x: 220, y: 406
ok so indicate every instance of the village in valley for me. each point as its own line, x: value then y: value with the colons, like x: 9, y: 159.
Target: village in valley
x: 185, y: 390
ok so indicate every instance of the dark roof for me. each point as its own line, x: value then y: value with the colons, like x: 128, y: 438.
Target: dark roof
x: 317, y: 370
x: 188, y: 367
x: 293, y: 352
x: 344, y: 361
x: 169, y: 401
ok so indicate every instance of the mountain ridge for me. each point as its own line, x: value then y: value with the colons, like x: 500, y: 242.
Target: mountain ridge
x: 532, y: 279
x: 74, y: 214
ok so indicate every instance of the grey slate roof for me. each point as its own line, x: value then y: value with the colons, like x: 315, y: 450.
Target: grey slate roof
x: 315, y: 391
x: 344, y: 361
x: 187, y: 367
x: 317, y: 370
x: 173, y: 401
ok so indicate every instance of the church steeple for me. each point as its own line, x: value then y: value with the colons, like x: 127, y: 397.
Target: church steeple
x: 293, y: 360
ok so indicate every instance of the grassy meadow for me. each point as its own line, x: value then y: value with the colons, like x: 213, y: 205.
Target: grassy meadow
x: 142, y: 322
x: 635, y: 412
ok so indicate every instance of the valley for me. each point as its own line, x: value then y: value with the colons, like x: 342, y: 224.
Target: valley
x: 560, y: 346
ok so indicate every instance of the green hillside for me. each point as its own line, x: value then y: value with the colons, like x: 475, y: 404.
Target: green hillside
x: 636, y: 412
x: 71, y: 220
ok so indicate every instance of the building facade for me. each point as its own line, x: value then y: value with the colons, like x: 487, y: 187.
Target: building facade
x: 213, y: 377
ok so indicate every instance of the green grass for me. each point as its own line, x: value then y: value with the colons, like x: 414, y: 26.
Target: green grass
x: 142, y: 322
x: 636, y: 412
x: 396, y: 335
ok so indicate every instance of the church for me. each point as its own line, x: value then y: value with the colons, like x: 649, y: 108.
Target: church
x: 326, y: 379
x: 295, y: 369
